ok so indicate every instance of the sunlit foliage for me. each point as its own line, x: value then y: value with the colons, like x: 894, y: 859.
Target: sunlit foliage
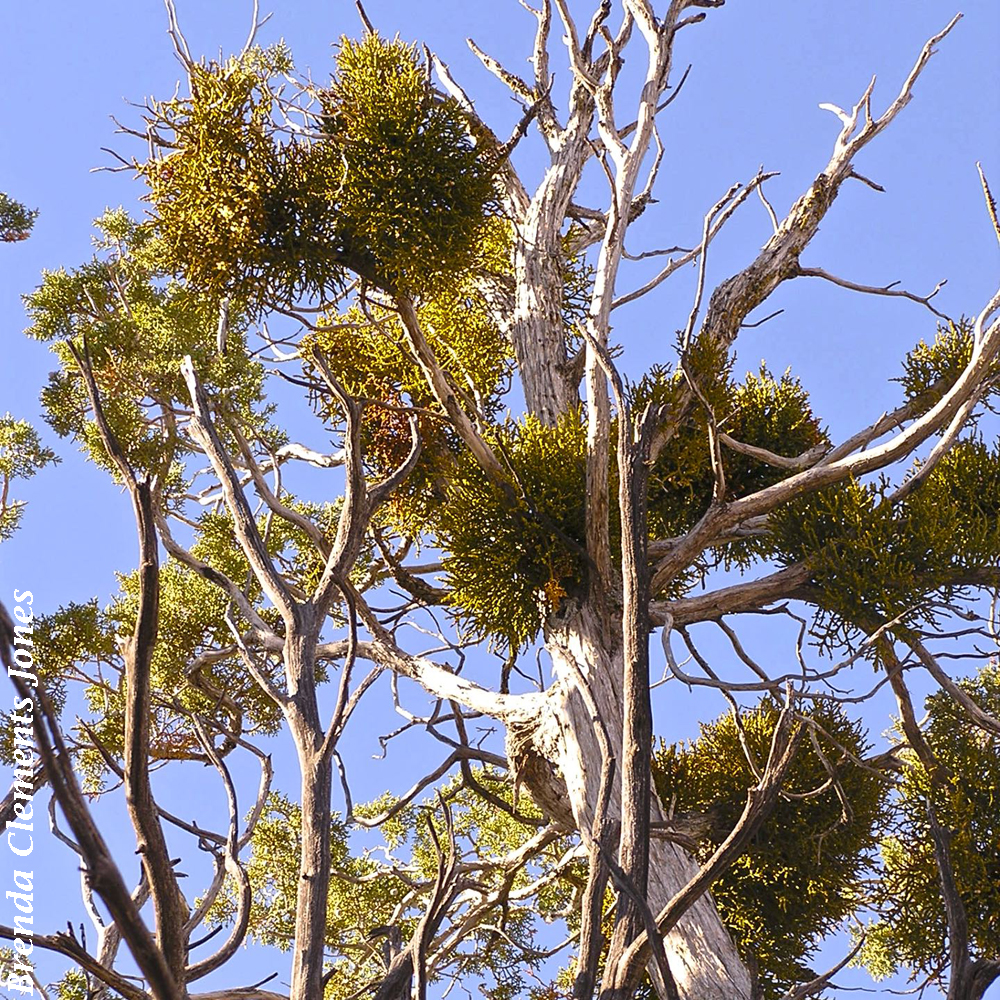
x: 877, y: 560
x: 136, y: 330
x: 22, y: 455
x: 386, y: 882
x: 390, y: 181
x: 911, y: 930
x: 16, y: 221
x: 802, y: 873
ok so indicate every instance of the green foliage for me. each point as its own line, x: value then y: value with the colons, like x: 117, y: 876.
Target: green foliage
x: 417, y: 172
x: 512, y: 557
x: 877, y: 560
x: 237, y: 212
x: 137, y: 333
x: 191, y: 622
x: 21, y: 456
x: 358, y: 900
x: 59, y: 640
x: 16, y: 221
x: 764, y: 411
x: 367, y: 351
x: 534, y: 535
x: 74, y: 986
x: 929, y: 370
x: 368, y: 887
x: 484, y: 836
x: 395, y: 187
x: 912, y: 928
x: 801, y: 874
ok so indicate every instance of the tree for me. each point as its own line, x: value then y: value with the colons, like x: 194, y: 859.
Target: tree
x: 421, y: 277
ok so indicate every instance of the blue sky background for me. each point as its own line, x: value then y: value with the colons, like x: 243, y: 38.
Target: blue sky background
x: 759, y: 70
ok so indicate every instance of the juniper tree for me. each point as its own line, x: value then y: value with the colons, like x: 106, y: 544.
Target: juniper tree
x: 420, y: 276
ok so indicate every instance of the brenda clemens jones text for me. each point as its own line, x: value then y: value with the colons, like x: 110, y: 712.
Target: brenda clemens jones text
x: 19, y: 977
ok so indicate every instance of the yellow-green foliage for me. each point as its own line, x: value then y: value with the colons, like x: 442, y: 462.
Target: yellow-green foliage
x: 393, y: 186
x: 912, y: 928
x: 878, y: 561
x: 511, y: 561
x: 802, y: 872
x: 768, y: 412
x: 484, y: 835
x: 137, y: 332
x: 15, y: 220
x: 232, y: 211
x: 365, y: 888
x: 21, y: 456
x: 930, y: 369
x: 512, y: 557
x: 368, y: 353
x: 417, y: 174
x: 75, y: 985
x: 363, y: 895
x: 79, y: 642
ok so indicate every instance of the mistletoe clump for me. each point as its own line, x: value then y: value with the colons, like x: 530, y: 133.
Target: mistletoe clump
x: 912, y: 926
x: 513, y: 555
x: 801, y: 874
x: 764, y: 411
x: 877, y: 559
x: 930, y: 369
x: 417, y: 171
x: 394, y: 183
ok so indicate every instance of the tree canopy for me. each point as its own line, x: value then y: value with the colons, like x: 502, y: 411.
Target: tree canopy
x: 495, y: 488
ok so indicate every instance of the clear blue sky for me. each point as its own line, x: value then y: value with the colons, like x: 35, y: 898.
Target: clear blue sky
x: 759, y: 71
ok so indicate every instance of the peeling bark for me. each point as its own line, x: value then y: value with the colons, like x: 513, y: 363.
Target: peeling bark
x: 558, y: 758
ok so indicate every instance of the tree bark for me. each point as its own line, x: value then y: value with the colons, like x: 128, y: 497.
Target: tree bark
x: 558, y: 758
x: 316, y: 770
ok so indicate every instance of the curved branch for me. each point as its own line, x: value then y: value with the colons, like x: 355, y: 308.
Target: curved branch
x: 63, y: 944
x: 244, y: 522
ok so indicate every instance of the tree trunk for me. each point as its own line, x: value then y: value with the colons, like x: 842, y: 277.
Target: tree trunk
x: 314, y: 879
x: 558, y: 759
x: 316, y: 769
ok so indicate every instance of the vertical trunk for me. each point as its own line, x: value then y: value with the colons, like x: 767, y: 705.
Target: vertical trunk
x: 537, y: 329
x: 637, y: 715
x: 314, y: 879
x: 559, y: 760
x: 316, y: 770
x: 168, y: 903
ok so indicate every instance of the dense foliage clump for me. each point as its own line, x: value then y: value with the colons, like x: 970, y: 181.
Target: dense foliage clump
x: 931, y: 369
x: 389, y: 181
x: 535, y: 542
x: 877, y: 559
x: 802, y: 873
x: 417, y: 170
x: 912, y: 929
x: 16, y: 221
x: 513, y: 555
x: 770, y: 413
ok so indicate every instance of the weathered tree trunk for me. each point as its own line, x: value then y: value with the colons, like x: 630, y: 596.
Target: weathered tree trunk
x: 317, y: 785
x: 558, y: 758
x: 537, y: 330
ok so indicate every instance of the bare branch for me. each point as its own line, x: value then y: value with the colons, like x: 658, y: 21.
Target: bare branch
x: 760, y: 802
x: 244, y: 522
x: 889, y: 290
